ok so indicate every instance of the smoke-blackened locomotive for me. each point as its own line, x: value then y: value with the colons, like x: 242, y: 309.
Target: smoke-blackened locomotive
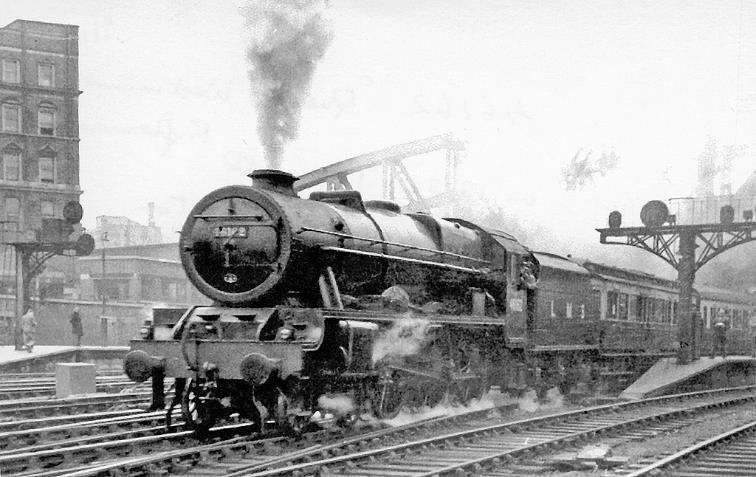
x: 336, y: 295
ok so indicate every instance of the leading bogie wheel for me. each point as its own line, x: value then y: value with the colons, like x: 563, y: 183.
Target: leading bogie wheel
x: 197, y: 414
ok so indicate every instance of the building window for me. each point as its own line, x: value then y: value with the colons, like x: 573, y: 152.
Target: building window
x: 11, y: 71
x: 47, y: 169
x: 46, y: 121
x: 11, y: 165
x: 582, y: 311
x: 47, y: 208
x: 568, y: 310
x: 12, y: 209
x: 46, y: 74
x: 11, y: 118
x: 553, y: 312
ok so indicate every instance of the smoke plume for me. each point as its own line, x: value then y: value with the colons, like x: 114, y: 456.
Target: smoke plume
x: 288, y: 37
x: 582, y: 170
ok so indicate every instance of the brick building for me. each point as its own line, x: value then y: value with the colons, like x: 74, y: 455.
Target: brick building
x: 39, y: 126
x: 137, y: 274
x: 121, y: 231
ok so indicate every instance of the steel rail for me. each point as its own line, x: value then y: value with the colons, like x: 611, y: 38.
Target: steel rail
x: 53, y: 460
x: 185, y: 458
x: 50, y: 407
x: 11, y: 441
x: 25, y: 424
x: 20, y: 391
x: 477, y: 464
x: 688, y: 456
x: 462, y: 464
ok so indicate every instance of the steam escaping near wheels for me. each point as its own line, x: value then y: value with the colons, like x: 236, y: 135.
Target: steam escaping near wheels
x: 405, y: 338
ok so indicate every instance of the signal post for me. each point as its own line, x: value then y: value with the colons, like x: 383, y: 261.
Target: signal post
x: 57, y: 237
x: 677, y: 244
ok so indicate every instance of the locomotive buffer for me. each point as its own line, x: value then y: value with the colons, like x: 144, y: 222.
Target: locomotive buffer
x: 687, y: 240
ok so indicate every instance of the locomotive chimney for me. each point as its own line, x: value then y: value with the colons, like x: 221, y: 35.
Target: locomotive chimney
x: 274, y: 180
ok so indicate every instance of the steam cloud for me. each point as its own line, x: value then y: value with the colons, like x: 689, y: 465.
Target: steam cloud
x: 404, y: 338
x: 528, y: 402
x: 443, y: 409
x: 288, y: 37
x: 582, y: 170
x: 339, y: 403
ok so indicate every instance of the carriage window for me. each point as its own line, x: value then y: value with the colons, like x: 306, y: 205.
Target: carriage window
x: 640, y: 308
x: 622, y: 306
x: 568, y: 309
x: 611, y: 305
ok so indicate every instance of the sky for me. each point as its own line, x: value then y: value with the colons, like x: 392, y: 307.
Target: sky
x: 167, y: 114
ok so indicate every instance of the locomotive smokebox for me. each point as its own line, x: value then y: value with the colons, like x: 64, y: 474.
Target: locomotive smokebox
x: 274, y: 180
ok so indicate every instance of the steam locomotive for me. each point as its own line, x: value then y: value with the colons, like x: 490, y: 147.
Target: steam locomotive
x: 336, y: 296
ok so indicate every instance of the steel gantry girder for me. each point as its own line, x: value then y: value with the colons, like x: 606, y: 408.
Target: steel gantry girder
x: 395, y: 173
x: 714, y: 239
x: 686, y: 248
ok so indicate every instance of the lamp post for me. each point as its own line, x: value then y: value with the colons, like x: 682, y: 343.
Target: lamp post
x: 103, y: 238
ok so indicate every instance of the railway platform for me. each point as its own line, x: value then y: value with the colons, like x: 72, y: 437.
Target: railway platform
x: 668, y: 377
x: 43, y: 358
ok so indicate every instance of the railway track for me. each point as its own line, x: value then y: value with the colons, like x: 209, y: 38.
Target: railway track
x: 473, y: 450
x: 4, y: 377
x: 15, y: 410
x: 86, y: 456
x: 75, y: 443
x: 731, y: 453
x: 479, y: 443
x: 487, y: 450
x: 89, y: 425
x: 253, y: 453
x: 20, y: 389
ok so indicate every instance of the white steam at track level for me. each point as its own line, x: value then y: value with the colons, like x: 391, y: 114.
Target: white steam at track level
x: 338, y: 403
x: 288, y: 38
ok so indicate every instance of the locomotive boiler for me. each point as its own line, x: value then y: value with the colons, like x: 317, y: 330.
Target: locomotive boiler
x: 335, y: 296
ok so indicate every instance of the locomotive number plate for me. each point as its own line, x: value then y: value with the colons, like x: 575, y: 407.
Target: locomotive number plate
x: 230, y: 231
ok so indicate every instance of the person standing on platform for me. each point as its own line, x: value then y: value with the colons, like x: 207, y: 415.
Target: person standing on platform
x: 720, y: 326
x: 29, y: 329
x: 76, y: 329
